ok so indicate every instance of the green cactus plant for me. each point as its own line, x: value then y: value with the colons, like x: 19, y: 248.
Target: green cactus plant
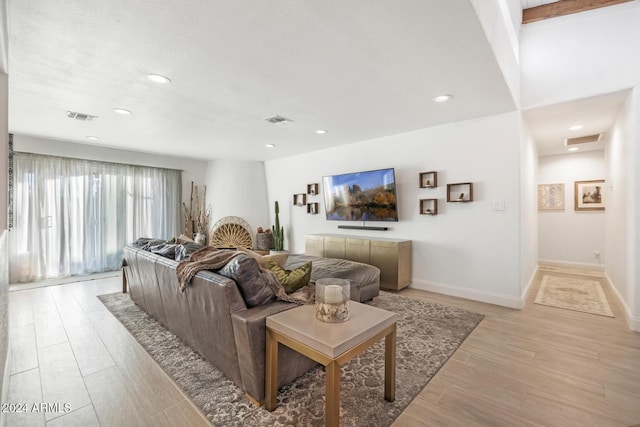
x: 278, y: 231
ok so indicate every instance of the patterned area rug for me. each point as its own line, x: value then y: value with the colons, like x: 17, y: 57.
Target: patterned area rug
x: 428, y: 334
x: 573, y: 294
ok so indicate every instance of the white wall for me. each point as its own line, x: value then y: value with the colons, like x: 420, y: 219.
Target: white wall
x: 528, y: 210
x: 622, y: 208
x: 571, y: 236
x: 634, y: 213
x: 501, y: 21
x: 192, y: 169
x: 4, y: 235
x: 580, y: 55
x: 238, y: 188
x: 4, y: 151
x: 467, y: 249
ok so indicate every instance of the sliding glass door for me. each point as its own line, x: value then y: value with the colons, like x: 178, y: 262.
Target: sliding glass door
x: 74, y: 216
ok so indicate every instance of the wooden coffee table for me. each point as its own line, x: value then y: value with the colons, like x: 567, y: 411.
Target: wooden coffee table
x: 332, y: 345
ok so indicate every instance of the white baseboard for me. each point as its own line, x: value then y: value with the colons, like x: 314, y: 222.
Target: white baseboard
x: 472, y: 294
x: 527, y: 289
x: 571, y: 264
x: 632, y: 321
x: 4, y: 391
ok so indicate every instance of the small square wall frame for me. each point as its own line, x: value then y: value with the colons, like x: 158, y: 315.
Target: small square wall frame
x: 428, y: 206
x: 312, y: 189
x: 460, y: 192
x: 428, y: 179
x: 312, y: 208
x: 299, y: 199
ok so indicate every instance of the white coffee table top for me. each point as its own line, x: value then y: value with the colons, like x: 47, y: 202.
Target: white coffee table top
x: 331, y: 339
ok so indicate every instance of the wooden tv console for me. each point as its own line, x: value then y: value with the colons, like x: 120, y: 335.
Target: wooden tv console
x: 391, y: 256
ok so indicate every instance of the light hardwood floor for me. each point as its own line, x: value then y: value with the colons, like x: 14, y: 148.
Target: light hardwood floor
x: 68, y: 348
x: 536, y: 366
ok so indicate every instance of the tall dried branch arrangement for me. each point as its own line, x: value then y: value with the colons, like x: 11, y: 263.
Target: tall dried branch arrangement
x: 202, y: 212
x: 187, y: 215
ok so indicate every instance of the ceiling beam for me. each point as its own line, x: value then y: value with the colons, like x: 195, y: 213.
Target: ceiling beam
x: 564, y: 7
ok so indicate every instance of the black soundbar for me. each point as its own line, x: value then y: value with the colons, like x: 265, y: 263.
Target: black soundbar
x: 362, y: 227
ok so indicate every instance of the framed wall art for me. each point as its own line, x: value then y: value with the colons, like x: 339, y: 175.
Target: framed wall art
x: 551, y: 197
x: 589, y: 195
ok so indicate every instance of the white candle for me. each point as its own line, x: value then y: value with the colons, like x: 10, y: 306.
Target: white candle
x: 332, y: 294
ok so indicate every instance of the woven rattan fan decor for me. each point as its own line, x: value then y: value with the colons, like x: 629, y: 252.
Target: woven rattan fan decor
x: 231, y: 232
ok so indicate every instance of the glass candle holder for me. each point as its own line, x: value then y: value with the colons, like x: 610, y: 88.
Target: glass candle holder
x: 332, y: 300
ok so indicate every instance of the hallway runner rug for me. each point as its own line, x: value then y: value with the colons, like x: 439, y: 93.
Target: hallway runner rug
x: 578, y: 271
x: 573, y: 294
x: 428, y: 334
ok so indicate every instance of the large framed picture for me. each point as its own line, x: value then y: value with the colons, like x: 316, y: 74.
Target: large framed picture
x: 551, y: 197
x: 589, y: 195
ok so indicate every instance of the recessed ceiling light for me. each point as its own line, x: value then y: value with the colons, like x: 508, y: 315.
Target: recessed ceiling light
x: 442, y: 98
x: 573, y: 149
x: 93, y: 138
x: 270, y: 145
x: 121, y: 111
x: 321, y: 131
x: 157, y: 78
x: 576, y: 127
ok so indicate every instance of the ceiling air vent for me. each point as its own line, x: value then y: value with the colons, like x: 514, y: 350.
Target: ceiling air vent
x: 80, y: 116
x: 583, y: 139
x: 278, y: 120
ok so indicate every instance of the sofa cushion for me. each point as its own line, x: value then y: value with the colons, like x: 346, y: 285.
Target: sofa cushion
x: 167, y: 250
x: 291, y: 280
x: 145, y: 243
x: 245, y: 271
x: 183, y: 251
x: 280, y: 258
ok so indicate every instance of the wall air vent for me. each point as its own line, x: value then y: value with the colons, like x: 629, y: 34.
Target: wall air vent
x: 80, y: 116
x: 278, y: 120
x: 583, y: 140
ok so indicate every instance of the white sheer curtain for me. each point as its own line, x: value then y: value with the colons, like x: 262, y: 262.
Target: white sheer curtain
x: 74, y: 216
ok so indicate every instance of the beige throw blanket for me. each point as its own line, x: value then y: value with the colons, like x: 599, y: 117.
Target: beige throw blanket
x: 207, y: 258
x: 210, y: 258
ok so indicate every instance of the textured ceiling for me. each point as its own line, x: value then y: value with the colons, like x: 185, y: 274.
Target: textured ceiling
x: 358, y: 69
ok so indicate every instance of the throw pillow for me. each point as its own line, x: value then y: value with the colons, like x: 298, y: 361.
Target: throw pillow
x: 254, y: 288
x: 291, y: 280
x: 280, y: 259
x: 184, y: 239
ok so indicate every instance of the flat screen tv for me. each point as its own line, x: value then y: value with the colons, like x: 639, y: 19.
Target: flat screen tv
x: 361, y: 196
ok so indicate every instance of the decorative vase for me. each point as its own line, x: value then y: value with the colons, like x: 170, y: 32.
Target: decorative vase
x: 200, y: 238
x: 264, y: 241
x: 332, y: 300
